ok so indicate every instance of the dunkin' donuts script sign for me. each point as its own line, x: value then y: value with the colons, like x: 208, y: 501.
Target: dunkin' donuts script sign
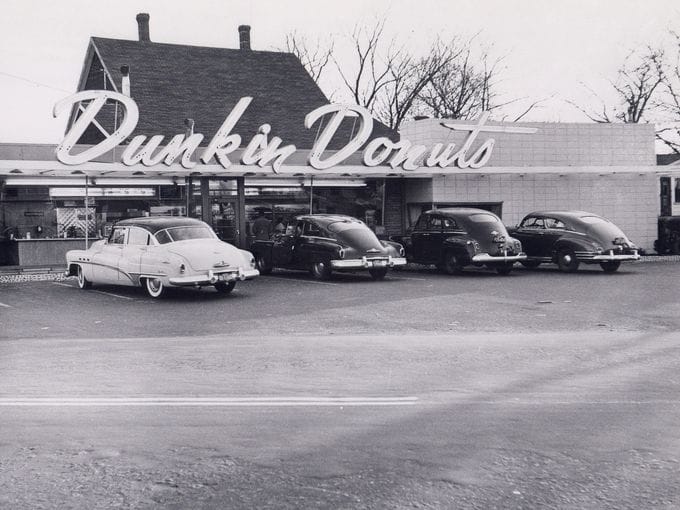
x: 264, y: 151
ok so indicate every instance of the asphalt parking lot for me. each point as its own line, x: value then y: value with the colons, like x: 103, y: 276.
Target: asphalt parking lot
x: 641, y: 296
x: 535, y: 390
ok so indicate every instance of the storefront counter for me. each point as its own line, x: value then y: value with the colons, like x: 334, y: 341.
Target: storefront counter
x: 41, y: 252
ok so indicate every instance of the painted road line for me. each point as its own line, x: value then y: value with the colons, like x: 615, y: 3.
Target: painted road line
x: 287, y: 279
x: 208, y: 402
x: 112, y: 294
x: 97, y: 291
x: 5, y: 305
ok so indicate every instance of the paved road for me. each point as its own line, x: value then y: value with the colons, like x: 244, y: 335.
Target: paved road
x: 537, y: 390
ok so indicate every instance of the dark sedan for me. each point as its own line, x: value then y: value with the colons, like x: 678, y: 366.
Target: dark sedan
x: 323, y: 243
x: 569, y: 238
x: 453, y: 238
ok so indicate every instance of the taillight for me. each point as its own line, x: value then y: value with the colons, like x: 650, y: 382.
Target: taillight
x: 341, y: 253
x: 182, y: 268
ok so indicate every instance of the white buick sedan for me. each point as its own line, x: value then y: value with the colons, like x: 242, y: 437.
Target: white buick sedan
x: 160, y: 252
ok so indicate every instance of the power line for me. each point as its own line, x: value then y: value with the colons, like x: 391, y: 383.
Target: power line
x: 35, y: 82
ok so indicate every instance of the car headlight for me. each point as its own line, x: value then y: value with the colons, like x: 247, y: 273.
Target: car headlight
x: 252, y: 262
x: 598, y: 248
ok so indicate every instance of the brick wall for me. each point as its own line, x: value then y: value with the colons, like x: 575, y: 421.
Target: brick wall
x: 630, y: 200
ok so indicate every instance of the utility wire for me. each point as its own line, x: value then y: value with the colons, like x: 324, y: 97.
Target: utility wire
x: 35, y: 82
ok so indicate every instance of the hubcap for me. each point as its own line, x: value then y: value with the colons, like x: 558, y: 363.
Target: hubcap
x: 567, y: 258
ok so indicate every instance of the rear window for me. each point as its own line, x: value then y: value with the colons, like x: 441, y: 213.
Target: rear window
x: 483, y: 218
x: 594, y: 220
x: 174, y: 234
x: 341, y: 226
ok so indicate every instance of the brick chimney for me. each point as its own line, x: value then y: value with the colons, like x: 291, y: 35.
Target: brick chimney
x: 244, y: 37
x: 143, y: 26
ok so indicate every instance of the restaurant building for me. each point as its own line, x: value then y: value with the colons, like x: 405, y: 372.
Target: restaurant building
x: 224, y: 134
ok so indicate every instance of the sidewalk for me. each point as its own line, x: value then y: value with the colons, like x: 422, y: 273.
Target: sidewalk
x: 14, y: 274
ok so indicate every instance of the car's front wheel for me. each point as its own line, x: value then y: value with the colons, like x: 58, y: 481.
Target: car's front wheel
x: 610, y: 266
x: 225, y: 287
x: 567, y: 261
x: 83, y: 282
x: 154, y: 287
x: 377, y: 273
x: 321, y: 270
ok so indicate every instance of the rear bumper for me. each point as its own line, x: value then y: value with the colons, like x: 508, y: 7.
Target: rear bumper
x: 485, y: 258
x: 610, y: 257
x: 365, y: 262
x: 212, y: 277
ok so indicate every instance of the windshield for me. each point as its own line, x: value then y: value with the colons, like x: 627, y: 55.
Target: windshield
x: 174, y: 234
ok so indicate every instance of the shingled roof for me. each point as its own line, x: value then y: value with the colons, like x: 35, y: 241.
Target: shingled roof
x: 172, y: 82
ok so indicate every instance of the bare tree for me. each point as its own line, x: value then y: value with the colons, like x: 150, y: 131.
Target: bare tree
x: 461, y: 89
x: 313, y: 56
x: 387, y: 79
x: 668, y: 128
x: 409, y: 76
x: 636, y: 86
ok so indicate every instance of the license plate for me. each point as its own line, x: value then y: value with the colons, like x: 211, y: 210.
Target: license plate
x: 379, y: 263
x: 225, y: 277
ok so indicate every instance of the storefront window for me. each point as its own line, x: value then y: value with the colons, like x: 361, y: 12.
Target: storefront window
x: 677, y: 190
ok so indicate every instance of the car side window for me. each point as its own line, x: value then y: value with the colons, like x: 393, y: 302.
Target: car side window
x: 117, y: 236
x: 139, y: 237
x: 449, y: 224
x: 163, y: 237
x: 532, y: 223
x: 434, y: 223
x: 422, y: 222
x: 554, y: 223
x: 310, y: 229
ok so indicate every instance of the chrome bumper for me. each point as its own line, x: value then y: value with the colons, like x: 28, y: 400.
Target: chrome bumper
x: 627, y: 256
x: 366, y: 262
x: 212, y: 277
x: 485, y: 258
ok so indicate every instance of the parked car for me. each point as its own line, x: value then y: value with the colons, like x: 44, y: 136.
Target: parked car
x: 568, y: 238
x: 323, y: 243
x: 453, y: 238
x: 161, y: 252
x: 668, y: 240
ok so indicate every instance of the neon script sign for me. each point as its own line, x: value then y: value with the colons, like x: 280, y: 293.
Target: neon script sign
x: 262, y: 150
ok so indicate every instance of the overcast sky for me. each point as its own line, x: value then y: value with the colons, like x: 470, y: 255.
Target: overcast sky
x: 550, y: 47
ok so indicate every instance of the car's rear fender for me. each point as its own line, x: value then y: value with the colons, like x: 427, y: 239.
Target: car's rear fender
x: 570, y: 244
x: 462, y: 246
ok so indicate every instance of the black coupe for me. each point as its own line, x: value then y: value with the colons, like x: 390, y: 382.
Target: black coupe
x: 568, y: 238
x: 323, y: 243
x: 453, y: 238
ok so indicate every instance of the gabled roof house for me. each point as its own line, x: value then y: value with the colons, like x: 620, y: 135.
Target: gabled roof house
x: 172, y: 82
